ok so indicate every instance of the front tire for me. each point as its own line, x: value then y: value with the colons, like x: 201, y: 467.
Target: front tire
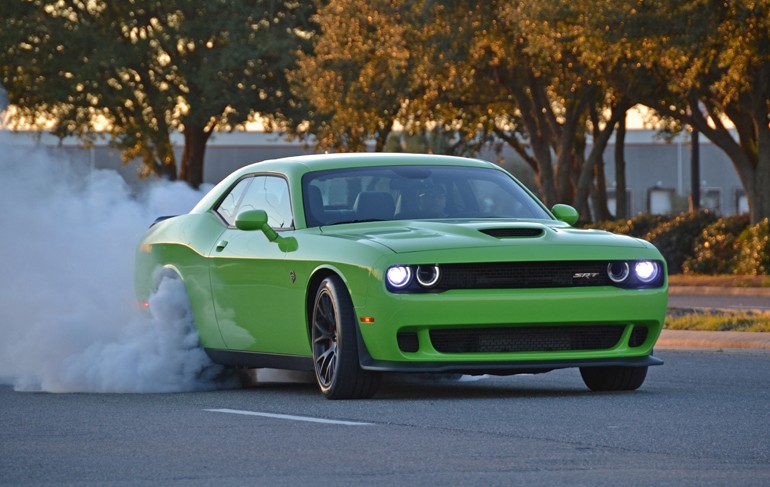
x: 335, y: 345
x: 613, y: 378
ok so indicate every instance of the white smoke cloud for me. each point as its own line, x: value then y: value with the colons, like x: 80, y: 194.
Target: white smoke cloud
x: 68, y: 319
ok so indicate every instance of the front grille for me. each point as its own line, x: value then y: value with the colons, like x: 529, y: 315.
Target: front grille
x: 518, y: 275
x: 526, y: 339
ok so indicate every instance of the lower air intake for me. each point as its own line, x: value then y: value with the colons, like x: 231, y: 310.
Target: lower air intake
x: 638, y: 336
x: 408, y: 342
x: 526, y: 339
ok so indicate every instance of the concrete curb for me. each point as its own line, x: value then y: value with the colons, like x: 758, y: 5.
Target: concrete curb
x: 719, y: 291
x: 713, y: 339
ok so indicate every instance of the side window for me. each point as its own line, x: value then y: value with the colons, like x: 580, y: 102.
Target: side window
x: 228, y: 207
x: 269, y: 193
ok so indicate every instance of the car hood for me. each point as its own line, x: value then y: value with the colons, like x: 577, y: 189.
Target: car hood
x: 417, y: 236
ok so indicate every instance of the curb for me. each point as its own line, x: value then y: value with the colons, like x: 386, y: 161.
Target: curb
x: 719, y: 291
x: 714, y: 339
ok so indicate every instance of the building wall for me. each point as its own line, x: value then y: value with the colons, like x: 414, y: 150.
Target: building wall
x: 655, y: 171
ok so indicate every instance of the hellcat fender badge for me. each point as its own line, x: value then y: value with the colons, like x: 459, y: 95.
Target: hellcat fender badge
x: 292, y: 276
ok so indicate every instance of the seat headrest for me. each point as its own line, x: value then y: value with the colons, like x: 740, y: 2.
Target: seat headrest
x: 374, y: 205
x: 314, y: 213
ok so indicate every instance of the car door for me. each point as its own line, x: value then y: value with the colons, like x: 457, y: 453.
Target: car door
x: 251, y: 281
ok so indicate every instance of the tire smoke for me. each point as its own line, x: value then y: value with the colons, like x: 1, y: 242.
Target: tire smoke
x: 68, y: 318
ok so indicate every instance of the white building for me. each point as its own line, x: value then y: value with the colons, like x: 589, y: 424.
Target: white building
x: 657, y: 173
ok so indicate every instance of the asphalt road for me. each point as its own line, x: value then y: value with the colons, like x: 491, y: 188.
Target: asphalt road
x: 700, y: 419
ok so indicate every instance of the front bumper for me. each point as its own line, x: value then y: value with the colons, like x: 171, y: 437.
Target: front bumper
x: 419, y: 315
x: 504, y: 368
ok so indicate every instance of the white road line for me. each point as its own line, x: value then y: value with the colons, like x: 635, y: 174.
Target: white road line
x: 289, y: 417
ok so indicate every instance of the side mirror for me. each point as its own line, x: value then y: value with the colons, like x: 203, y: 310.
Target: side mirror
x: 257, y: 220
x: 251, y: 220
x: 565, y: 213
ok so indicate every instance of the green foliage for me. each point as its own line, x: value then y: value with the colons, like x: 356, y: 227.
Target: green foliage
x: 698, y: 63
x: 359, y: 74
x: 543, y: 77
x: 139, y: 70
x: 638, y: 227
x: 697, y: 243
x: 754, y: 256
x: 717, y: 247
x: 676, y: 239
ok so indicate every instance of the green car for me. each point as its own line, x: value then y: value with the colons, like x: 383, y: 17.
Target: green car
x: 355, y: 265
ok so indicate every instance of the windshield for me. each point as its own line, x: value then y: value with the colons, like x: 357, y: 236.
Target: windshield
x: 414, y: 193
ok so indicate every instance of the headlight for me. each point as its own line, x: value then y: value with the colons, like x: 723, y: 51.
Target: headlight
x: 413, y: 278
x: 646, y: 271
x: 635, y: 274
x: 399, y: 276
x: 618, y: 271
x: 427, y: 275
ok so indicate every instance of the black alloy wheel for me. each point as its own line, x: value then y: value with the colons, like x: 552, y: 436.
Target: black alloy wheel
x: 335, y: 345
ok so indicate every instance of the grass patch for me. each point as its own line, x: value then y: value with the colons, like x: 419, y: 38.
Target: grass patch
x: 715, y: 320
x: 718, y: 280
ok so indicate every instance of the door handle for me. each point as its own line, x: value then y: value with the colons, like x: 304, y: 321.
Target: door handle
x: 221, y: 245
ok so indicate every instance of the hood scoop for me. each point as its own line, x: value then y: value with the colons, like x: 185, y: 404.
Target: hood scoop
x: 513, y: 232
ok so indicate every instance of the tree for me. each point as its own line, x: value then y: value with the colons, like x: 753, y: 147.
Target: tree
x: 142, y: 69
x: 358, y: 76
x: 490, y: 71
x: 706, y: 64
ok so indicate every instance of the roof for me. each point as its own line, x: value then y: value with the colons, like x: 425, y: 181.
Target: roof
x: 295, y: 167
x: 320, y: 162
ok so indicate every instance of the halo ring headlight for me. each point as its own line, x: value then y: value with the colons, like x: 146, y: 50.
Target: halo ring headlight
x: 399, y: 276
x: 618, y: 271
x: 427, y: 275
x: 646, y: 271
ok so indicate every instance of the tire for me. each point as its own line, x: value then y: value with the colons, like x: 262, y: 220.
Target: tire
x: 335, y: 345
x: 613, y: 378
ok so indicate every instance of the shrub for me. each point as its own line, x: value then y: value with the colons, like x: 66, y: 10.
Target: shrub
x: 754, y: 255
x: 642, y: 224
x: 638, y: 227
x: 717, y: 247
x: 675, y: 239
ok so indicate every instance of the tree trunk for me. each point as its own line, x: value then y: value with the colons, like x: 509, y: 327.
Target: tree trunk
x: 581, y: 204
x: 381, y: 138
x: 565, y: 163
x: 599, y: 193
x: 165, y: 165
x: 750, y: 155
x: 195, y: 139
x: 595, y: 161
x: 621, y: 205
x: 695, y: 170
x: 760, y: 206
x: 538, y: 128
x: 753, y: 167
x: 165, y: 170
